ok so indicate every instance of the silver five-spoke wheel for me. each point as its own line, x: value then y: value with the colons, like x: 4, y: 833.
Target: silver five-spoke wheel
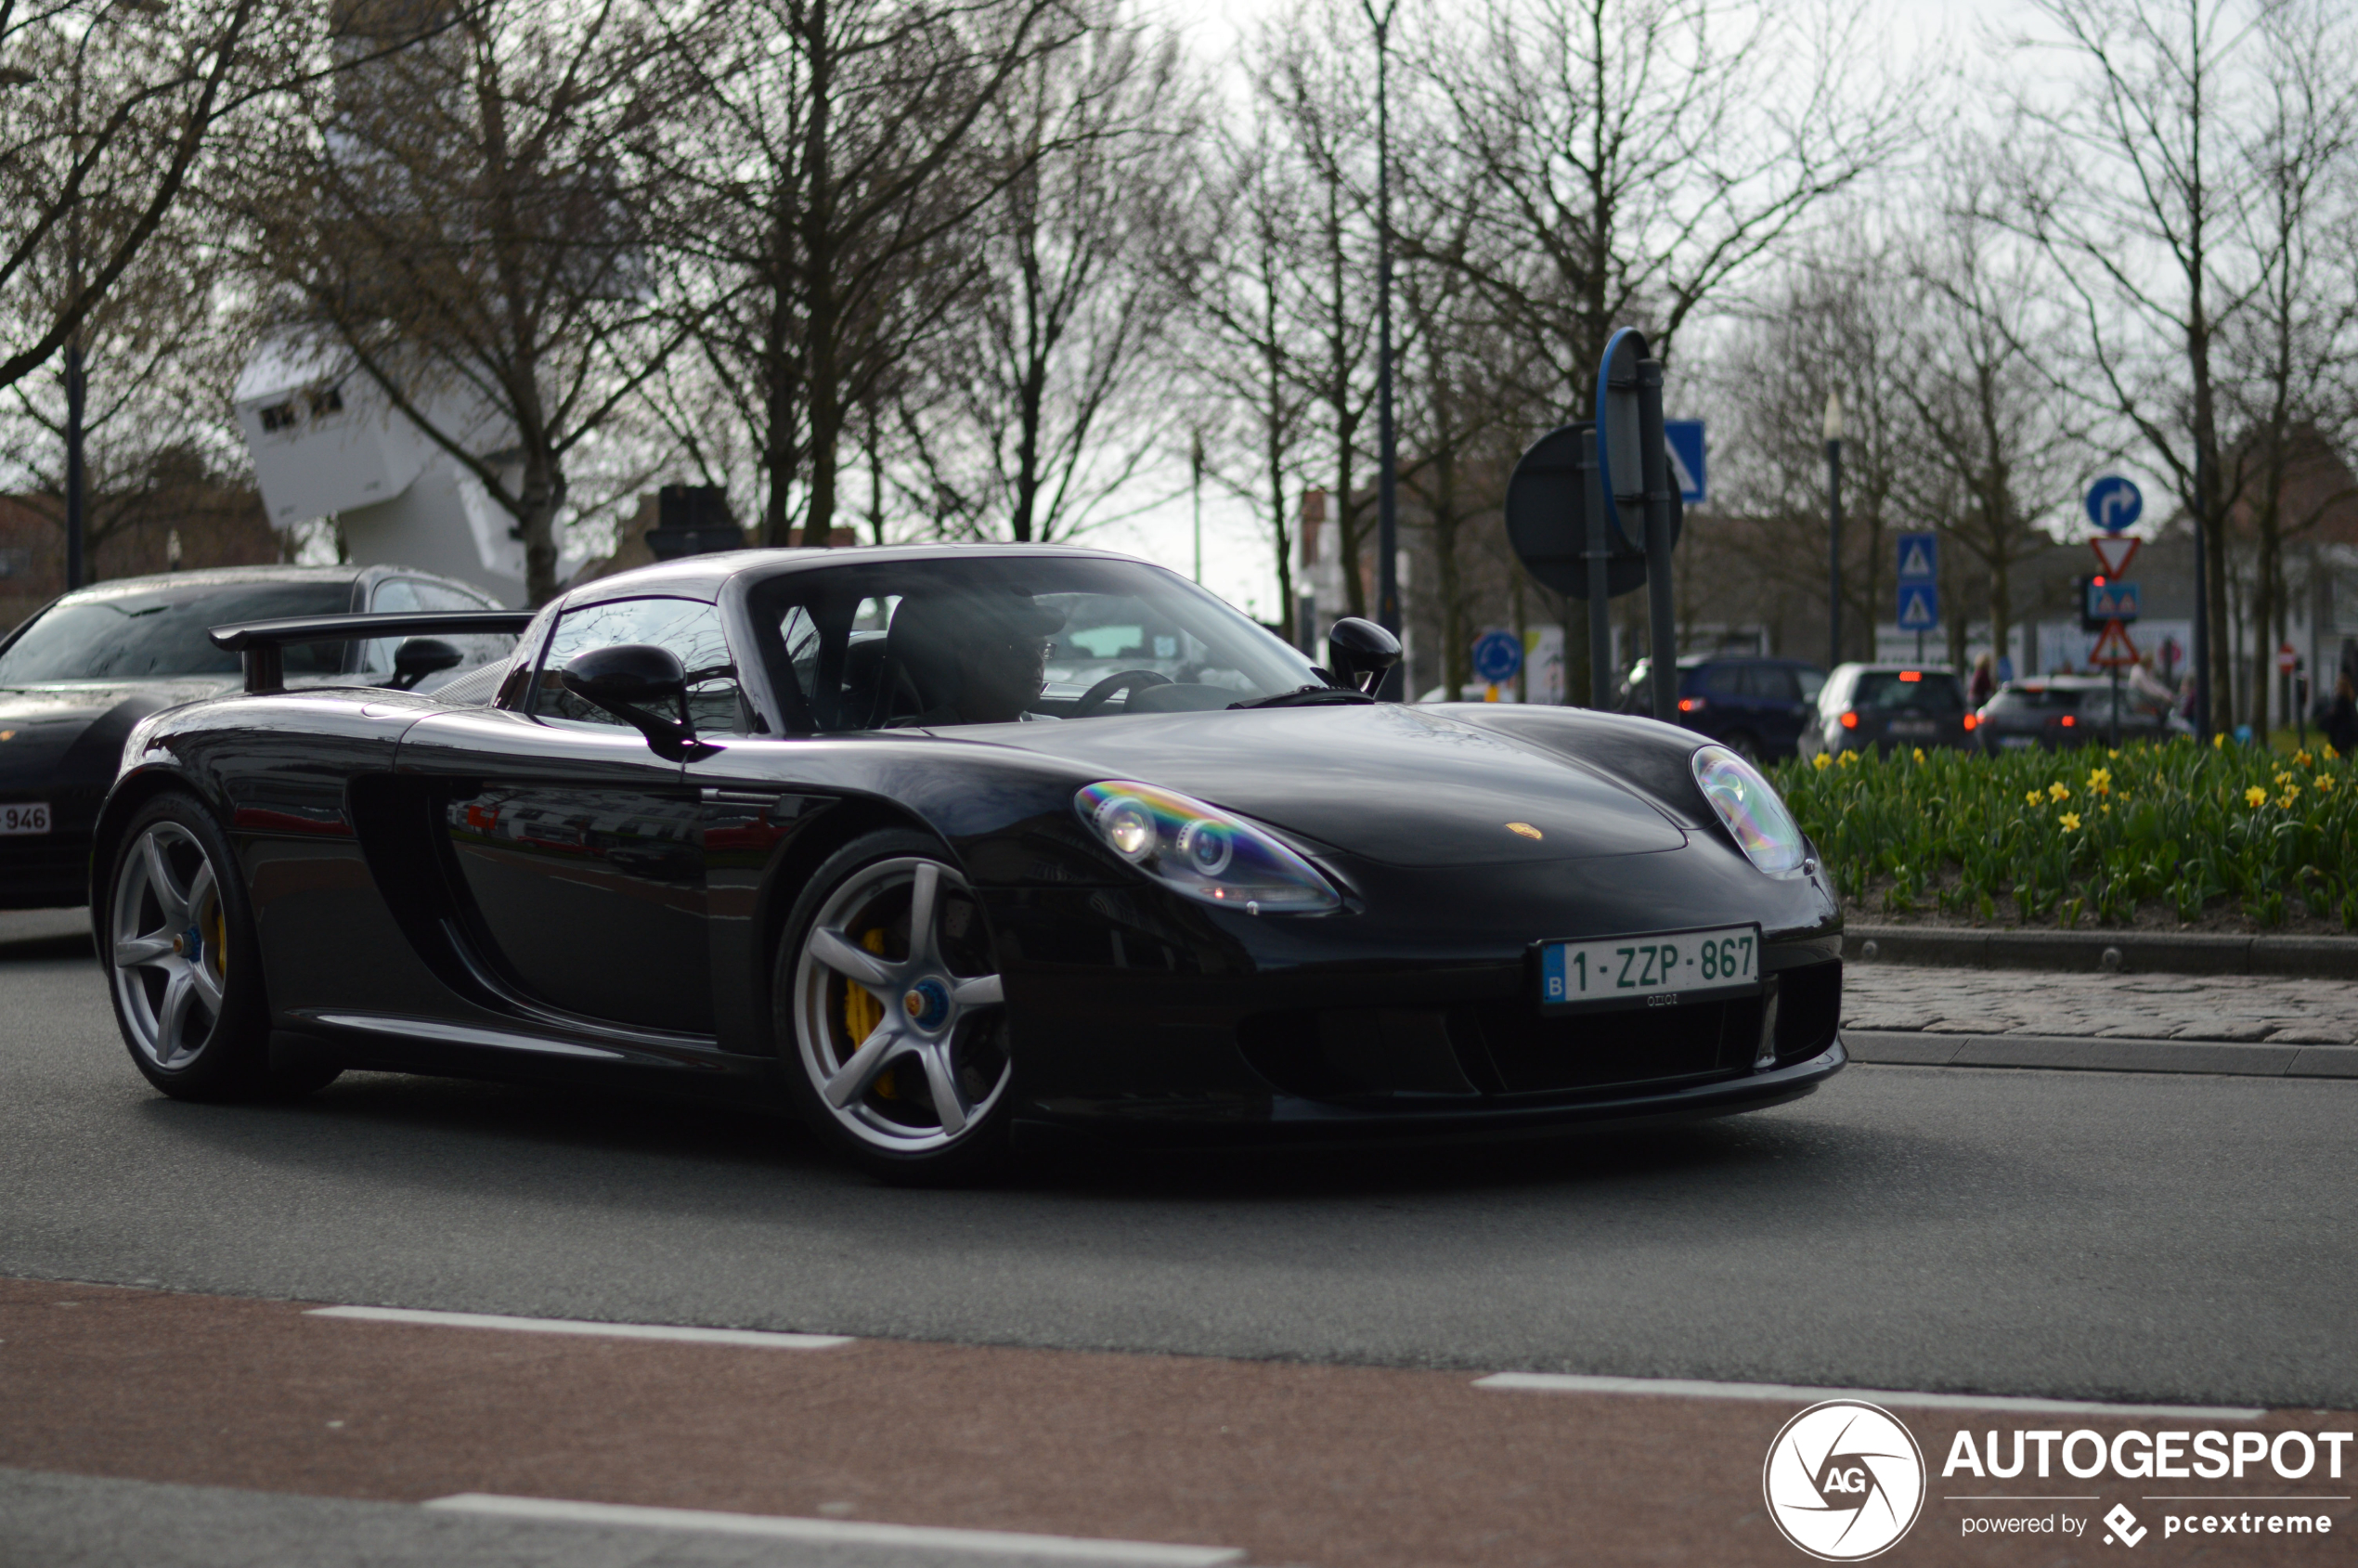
x: 171, y: 945
x: 899, y: 1018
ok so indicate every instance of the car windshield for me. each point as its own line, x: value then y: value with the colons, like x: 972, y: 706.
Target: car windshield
x: 995, y: 638
x: 138, y: 636
x: 1907, y: 691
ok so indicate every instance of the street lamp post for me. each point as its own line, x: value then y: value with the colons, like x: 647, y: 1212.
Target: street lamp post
x: 1833, y: 529
x: 1387, y: 475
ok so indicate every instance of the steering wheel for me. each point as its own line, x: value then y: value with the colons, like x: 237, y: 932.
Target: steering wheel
x: 1123, y: 679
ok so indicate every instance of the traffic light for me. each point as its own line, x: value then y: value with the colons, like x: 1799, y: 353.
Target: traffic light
x: 2087, y: 584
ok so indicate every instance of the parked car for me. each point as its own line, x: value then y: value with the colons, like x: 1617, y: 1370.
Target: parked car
x: 2060, y: 712
x: 1756, y: 707
x: 1880, y: 705
x: 78, y: 674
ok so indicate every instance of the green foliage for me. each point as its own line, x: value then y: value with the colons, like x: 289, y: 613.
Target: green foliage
x: 2087, y: 837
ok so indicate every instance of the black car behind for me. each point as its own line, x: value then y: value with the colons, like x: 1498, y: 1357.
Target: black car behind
x: 2063, y: 712
x: 76, y: 676
x: 1756, y: 707
x: 1869, y: 706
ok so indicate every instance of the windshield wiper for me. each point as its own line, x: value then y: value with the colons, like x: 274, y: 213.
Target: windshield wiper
x: 1308, y: 696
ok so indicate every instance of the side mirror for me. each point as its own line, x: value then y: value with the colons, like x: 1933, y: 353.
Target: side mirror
x: 627, y: 680
x: 1359, y: 652
x: 417, y: 657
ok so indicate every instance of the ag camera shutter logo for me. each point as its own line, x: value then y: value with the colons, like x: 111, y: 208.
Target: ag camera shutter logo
x: 1844, y: 1481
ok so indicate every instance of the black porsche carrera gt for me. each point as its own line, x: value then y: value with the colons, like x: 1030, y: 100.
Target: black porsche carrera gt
x: 958, y: 845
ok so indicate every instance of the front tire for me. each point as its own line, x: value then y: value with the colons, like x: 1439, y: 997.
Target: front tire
x: 184, y: 969
x: 890, y: 1014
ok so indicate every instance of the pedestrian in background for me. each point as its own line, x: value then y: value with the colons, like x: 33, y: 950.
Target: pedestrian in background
x: 1984, y: 684
x: 2341, y: 718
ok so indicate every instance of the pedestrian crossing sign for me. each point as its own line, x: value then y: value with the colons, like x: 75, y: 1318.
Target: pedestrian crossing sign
x: 1918, y: 607
x: 1916, y: 557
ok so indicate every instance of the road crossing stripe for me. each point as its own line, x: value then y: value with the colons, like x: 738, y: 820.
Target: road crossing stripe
x: 840, y: 1532
x: 1676, y: 1388
x: 759, y: 1338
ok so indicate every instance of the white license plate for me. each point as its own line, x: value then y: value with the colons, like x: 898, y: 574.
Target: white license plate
x: 2016, y: 743
x: 1651, y: 971
x: 24, y: 816
x: 1914, y: 727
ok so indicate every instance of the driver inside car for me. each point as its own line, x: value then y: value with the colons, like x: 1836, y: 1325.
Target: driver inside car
x: 976, y: 658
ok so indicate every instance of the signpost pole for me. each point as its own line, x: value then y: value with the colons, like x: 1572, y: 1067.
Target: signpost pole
x: 1654, y: 463
x: 1599, y: 597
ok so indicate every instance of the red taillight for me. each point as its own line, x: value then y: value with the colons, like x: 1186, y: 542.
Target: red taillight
x: 2069, y: 720
x: 1689, y: 705
x: 1971, y: 720
x: 1911, y: 675
x: 1850, y: 720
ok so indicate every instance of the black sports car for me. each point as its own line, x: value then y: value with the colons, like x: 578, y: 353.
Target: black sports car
x: 77, y: 674
x: 952, y: 844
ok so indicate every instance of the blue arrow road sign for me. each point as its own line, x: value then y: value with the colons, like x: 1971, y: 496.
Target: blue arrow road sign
x: 2114, y: 503
x: 1919, y: 558
x: 1918, y: 607
x: 1496, y: 655
x: 1684, y: 437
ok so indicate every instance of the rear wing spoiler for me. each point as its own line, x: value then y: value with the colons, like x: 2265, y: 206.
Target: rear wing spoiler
x: 261, y: 645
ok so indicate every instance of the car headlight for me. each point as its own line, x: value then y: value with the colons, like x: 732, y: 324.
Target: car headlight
x: 1202, y: 852
x: 1749, y: 809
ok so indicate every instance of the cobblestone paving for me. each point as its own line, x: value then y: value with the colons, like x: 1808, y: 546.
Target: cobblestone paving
x: 2223, y: 1008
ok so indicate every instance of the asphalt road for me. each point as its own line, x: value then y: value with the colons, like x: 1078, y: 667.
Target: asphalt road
x: 2141, y: 1237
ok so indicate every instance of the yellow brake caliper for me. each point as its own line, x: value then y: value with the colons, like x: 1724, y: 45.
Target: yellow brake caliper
x: 217, y: 941
x: 862, y: 1013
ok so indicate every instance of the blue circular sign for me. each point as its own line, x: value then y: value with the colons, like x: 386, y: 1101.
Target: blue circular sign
x: 1496, y: 655
x: 2114, y: 503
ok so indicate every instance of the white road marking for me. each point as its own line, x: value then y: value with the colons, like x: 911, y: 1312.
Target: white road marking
x: 760, y: 1337
x: 1675, y: 1388
x: 844, y: 1532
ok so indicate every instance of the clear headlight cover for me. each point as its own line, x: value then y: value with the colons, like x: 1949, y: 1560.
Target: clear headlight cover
x: 1748, y: 805
x: 1202, y: 852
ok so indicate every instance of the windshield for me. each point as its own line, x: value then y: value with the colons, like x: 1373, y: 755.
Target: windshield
x: 1907, y: 691
x: 137, y: 636
x: 2053, y: 699
x: 996, y: 639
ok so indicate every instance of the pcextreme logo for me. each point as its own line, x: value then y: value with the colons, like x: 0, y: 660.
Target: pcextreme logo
x: 1844, y: 1480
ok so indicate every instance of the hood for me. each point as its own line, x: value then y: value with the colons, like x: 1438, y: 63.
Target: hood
x: 1393, y: 784
x: 71, y: 731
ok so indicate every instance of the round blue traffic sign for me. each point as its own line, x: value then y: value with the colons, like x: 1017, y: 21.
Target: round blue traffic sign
x: 2114, y: 503
x: 1496, y: 655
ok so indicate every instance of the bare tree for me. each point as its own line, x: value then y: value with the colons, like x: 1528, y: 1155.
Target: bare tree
x: 2133, y: 190
x: 1624, y: 161
x: 462, y: 224
x: 826, y: 181
x: 1051, y: 405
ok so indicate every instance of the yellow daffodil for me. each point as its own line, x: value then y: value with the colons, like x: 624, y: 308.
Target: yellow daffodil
x: 2219, y: 741
x: 1920, y: 754
x: 2059, y: 791
x: 2100, y: 782
x: 2331, y: 754
x: 2325, y: 782
x: 2283, y: 778
x: 2106, y: 809
x: 2033, y: 799
x: 1822, y: 763
x: 2290, y: 798
x: 2254, y: 796
x: 2304, y: 759
x: 1850, y: 758
x: 2070, y: 820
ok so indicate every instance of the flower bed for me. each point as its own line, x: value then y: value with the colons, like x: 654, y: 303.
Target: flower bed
x: 2177, y: 833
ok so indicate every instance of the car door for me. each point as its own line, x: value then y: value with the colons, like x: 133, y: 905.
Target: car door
x: 575, y: 853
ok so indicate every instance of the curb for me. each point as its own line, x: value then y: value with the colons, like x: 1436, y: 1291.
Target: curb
x: 2092, y: 1054
x: 2329, y: 958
